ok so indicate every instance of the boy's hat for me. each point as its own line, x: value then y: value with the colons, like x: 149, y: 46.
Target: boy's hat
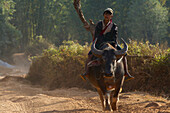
x: 108, y: 10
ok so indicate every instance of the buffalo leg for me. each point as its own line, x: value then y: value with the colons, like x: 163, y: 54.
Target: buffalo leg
x: 101, y: 97
x: 107, y: 101
x: 114, y: 103
x: 114, y: 96
x: 114, y: 100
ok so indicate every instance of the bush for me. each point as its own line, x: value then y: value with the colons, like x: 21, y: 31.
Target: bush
x: 151, y: 68
x: 146, y: 49
x: 61, y: 66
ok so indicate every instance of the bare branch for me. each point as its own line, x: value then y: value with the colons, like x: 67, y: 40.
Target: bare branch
x: 89, y: 27
x: 77, y: 6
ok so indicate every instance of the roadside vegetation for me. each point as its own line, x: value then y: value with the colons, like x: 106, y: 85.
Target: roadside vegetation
x: 61, y: 66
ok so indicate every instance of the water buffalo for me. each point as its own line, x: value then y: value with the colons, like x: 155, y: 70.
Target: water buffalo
x: 108, y: 77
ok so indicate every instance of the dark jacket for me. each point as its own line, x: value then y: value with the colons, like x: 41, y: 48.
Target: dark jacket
x: 110, y: 36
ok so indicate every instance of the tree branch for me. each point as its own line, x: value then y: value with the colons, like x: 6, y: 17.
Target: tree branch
x: 89, y: 27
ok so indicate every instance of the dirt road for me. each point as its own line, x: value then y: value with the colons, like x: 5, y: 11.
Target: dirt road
x: 18, y: 96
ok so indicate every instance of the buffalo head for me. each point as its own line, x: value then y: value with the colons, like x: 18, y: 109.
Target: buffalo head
x: 109, y: 55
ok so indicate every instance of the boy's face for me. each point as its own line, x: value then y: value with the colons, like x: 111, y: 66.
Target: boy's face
x: 107, y: 16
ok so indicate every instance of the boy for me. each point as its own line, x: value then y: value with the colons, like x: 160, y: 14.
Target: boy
x: 107, y: 31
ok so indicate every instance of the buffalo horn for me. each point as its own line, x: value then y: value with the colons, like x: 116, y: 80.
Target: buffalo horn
x: 96, y: 52
x: 122, y: 51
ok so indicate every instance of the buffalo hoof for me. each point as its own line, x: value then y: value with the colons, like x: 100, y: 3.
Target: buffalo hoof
x: 107, y: 108
x: 114, y: 108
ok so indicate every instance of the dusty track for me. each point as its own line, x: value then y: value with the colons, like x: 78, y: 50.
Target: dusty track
x: 18, y: 96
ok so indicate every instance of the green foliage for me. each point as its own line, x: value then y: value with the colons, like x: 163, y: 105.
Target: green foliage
x: 37, y: 45
x: 163, y: 2
x: 9, y: 35
x: 69, y: 49
x: 121, y: 9
x: 46, y: 18
x: 7, y: 9
x: 57, y: 20
x: 9, y: 38
x: 147, y: 49
x: 163, y: 59
x: 147, y: 20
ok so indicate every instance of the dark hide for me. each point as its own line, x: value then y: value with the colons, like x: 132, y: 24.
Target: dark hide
x: 108, y: 77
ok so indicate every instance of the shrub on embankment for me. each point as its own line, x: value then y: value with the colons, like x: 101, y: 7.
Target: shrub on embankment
x: 150, y: 64
x: 61, y: 66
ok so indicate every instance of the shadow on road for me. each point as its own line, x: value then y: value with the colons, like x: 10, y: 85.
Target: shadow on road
x: 69, y: 111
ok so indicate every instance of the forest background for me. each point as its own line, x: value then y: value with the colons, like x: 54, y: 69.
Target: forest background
x: 23, y: 23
